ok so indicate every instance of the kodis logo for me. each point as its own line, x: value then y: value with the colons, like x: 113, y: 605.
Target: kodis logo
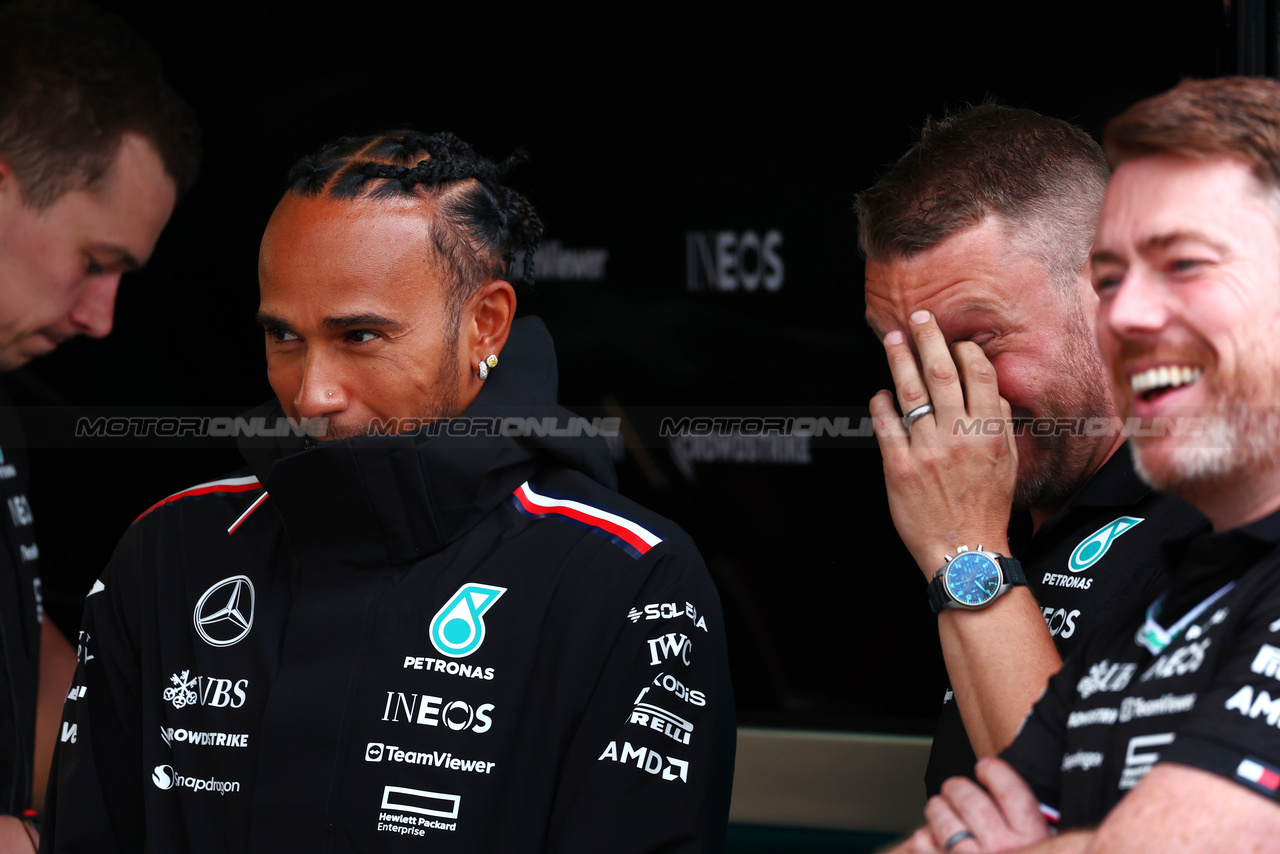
x: 1093, y: 547
x: 457, y: 630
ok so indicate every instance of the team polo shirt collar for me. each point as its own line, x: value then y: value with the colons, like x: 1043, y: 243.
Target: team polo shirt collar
x: 1113, y: 484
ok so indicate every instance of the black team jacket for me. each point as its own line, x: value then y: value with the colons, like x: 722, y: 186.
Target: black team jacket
x: 444, y: 640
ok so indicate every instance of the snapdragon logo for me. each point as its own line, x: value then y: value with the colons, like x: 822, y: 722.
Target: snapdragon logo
x: 166, y: 778
x: 457, y: 630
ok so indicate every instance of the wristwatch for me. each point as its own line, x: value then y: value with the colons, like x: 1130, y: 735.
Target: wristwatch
x: 973, y: 579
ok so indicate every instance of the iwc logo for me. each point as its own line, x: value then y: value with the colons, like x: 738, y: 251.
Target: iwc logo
x: 1094, y: 546
x: 224, y: 614
x: 457, y: 630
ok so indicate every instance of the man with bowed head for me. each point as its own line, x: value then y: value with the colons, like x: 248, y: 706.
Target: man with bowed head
x: 95, y: 148
x: 1160, y: 732
x: 977, y: 242
x: 404, y: 623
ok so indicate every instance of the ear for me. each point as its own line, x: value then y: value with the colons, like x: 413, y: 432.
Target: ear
x: 486, y: 321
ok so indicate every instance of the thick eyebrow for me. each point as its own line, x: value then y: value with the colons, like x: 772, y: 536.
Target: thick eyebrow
x: 115, y: 255
x: 351, y: 321
x: 1161, y: 241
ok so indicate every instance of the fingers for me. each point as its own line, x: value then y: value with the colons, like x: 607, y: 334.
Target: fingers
x: 940, y: 375
x: 945, y: 823
x: 888, y: 426
x: 969, y: 808
x: 907, y: 381
x: 1012, y: 795
x: 978, y: 375
x: 958, y: 380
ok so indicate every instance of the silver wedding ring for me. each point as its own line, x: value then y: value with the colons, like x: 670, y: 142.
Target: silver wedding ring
x: 915, y: 415
x: 960, y: 836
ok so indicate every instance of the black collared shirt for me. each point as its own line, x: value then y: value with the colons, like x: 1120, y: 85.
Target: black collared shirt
x: 1092, y: 561
x: 1210, y: 699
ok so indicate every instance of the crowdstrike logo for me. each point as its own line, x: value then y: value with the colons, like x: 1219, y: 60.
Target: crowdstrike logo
x: 203, y: 739
x: 1093, y: 547
x: 457, y: 629
x: 224, y: 614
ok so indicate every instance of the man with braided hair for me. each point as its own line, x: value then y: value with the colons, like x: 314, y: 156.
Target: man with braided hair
x: 95, y: 147
x: 413, y: 621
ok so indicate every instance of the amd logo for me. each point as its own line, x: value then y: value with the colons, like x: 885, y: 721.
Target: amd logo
x: 732, y: 260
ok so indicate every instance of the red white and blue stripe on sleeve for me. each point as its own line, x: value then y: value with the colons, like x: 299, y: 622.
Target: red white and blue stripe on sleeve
x: 226, y: 485
x: 627, y: 534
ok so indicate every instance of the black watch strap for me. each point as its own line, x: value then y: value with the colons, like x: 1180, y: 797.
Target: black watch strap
x: 1012, y: 570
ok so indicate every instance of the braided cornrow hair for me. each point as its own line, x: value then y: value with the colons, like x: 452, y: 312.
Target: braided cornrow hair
x: 480, y: 225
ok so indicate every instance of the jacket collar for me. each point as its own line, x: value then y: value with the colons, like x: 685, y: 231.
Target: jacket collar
x: 392, y: 500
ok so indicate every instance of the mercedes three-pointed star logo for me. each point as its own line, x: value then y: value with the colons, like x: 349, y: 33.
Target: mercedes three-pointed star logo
x: 224, y: 614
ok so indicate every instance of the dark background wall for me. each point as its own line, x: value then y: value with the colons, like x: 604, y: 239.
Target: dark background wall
x: 695, y: 169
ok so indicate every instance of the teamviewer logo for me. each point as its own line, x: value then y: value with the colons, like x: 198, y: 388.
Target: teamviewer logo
x: 373, y: 753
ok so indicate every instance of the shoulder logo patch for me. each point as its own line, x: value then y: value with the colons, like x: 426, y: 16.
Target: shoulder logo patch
x: 1093, y: 547
x: 457, y: 629
x: 628, y: 534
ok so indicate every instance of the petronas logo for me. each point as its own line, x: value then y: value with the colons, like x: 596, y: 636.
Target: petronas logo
x: 1094, y: 546
x: 457, y: 629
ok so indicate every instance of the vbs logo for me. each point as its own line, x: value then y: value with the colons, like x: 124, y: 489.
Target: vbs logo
x: 457, y: 630
x: 1094, y: 546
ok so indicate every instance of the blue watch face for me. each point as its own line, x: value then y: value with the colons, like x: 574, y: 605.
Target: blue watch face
x: 972, y: 578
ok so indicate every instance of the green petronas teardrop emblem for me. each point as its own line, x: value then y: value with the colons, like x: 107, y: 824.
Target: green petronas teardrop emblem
x: 457, y: 629
x: 1093, y: 547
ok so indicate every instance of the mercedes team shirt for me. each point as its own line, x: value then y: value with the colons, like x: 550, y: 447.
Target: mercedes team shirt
x: 1208, y: 697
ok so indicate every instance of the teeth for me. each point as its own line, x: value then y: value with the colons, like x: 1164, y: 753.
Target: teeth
x: 1165, y: 376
